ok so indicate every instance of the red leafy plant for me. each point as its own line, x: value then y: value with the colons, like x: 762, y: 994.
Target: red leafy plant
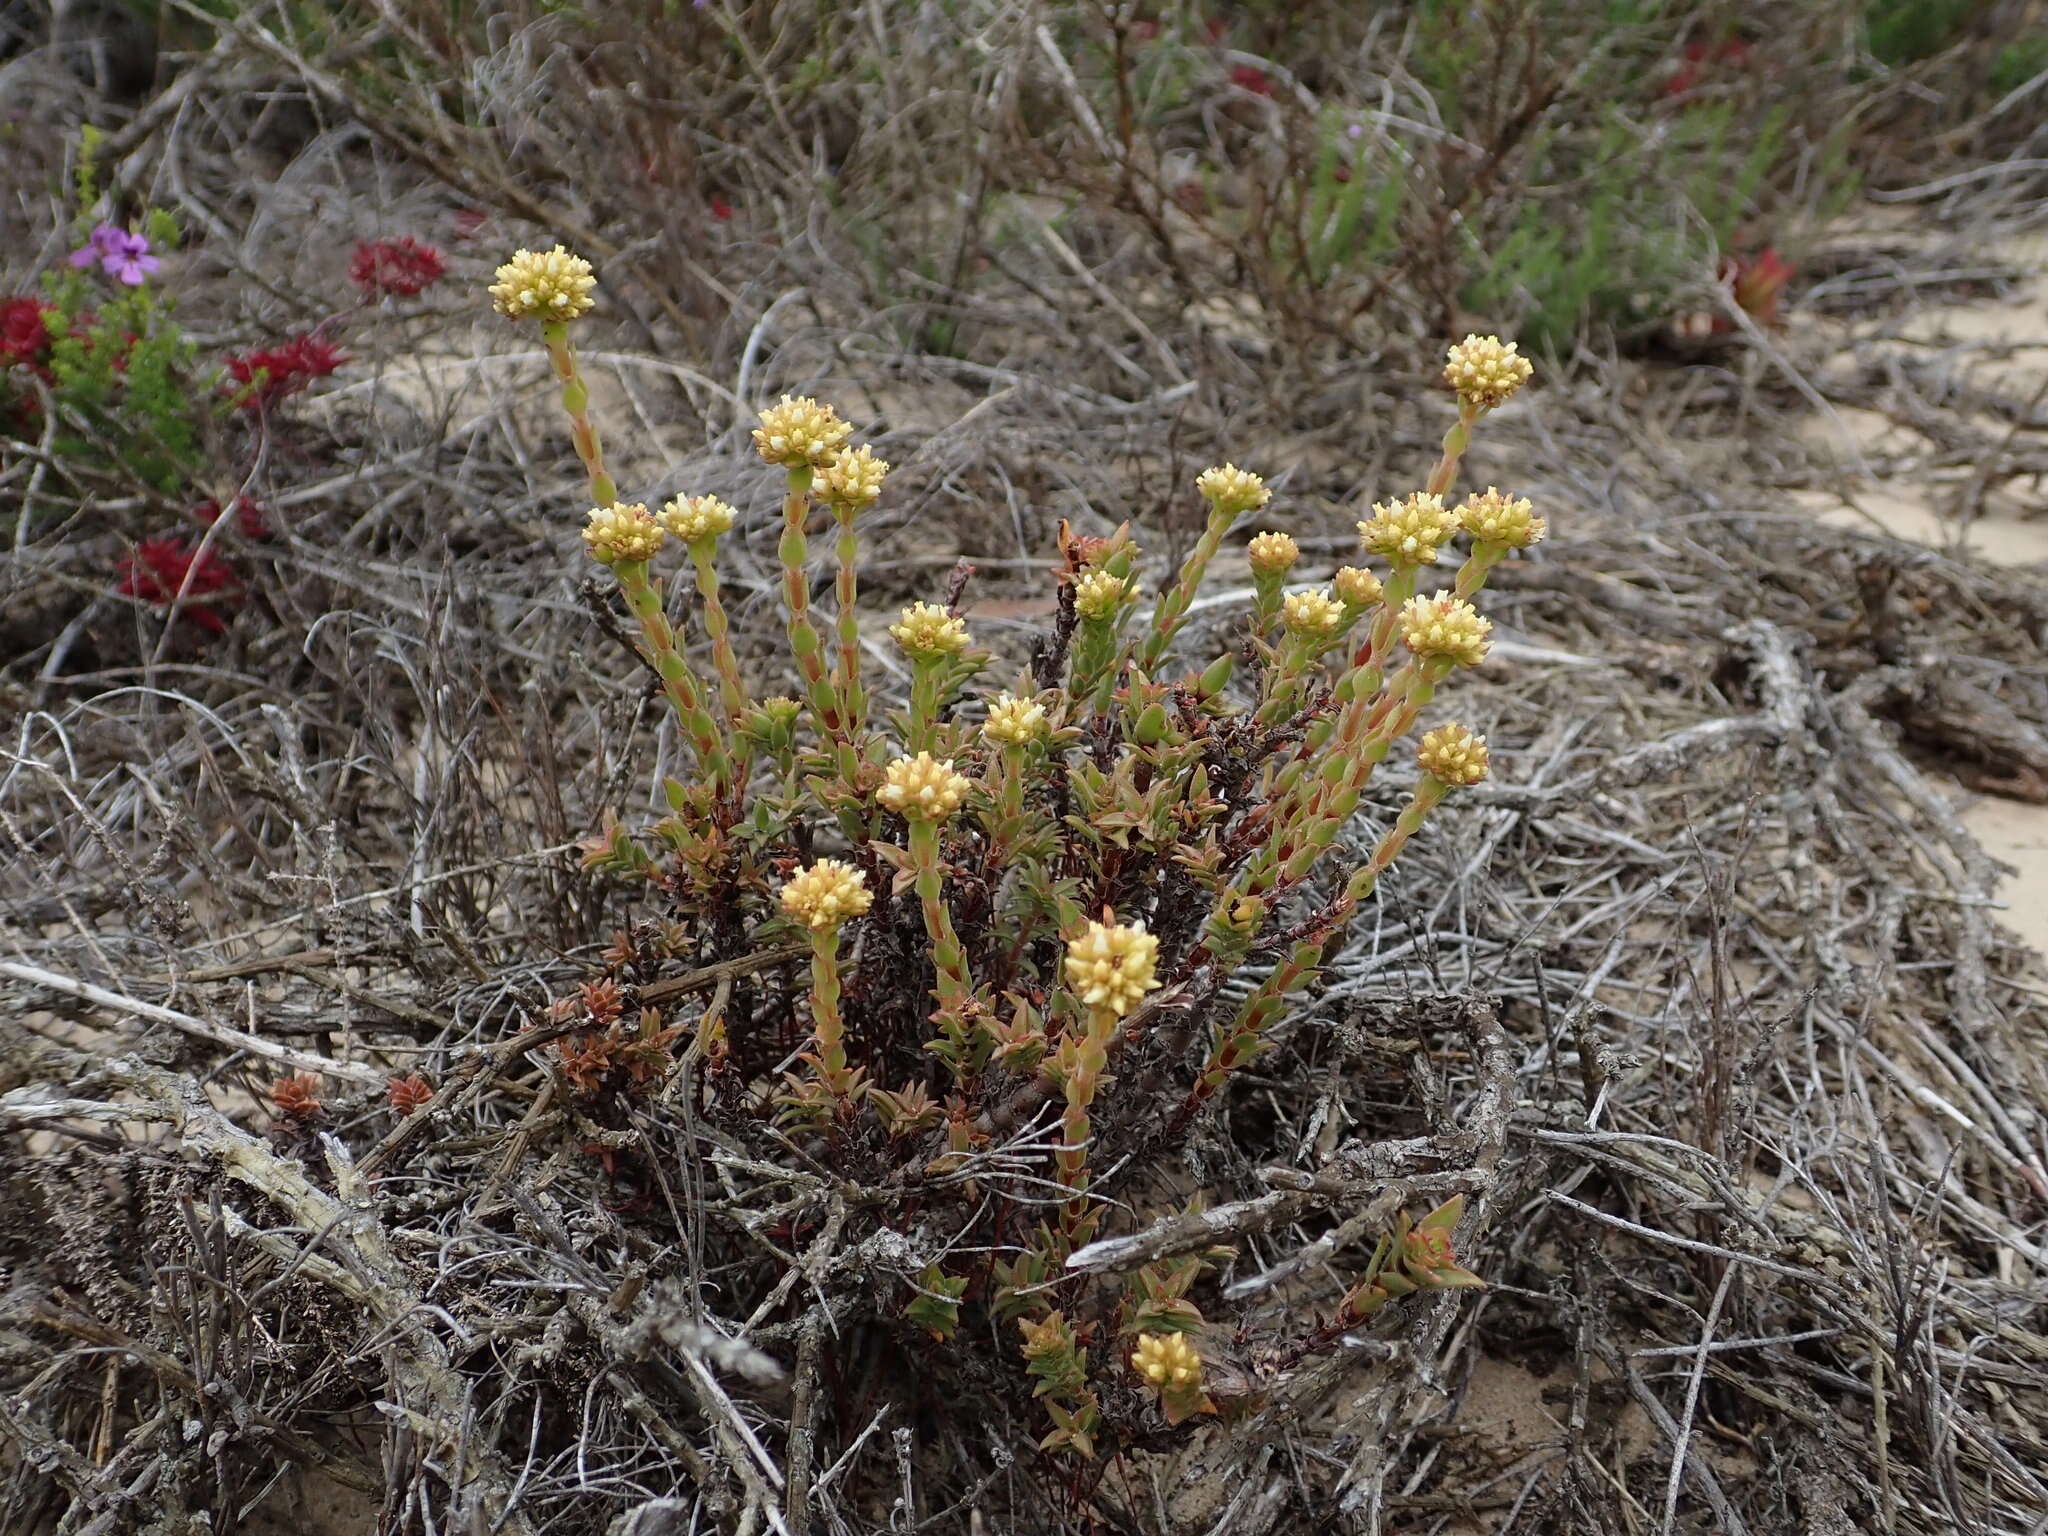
x: 409, y: 1093
x: 297, y: 1097
x: 269, y: 374
x: 160, y: 569
x: 404, y: 266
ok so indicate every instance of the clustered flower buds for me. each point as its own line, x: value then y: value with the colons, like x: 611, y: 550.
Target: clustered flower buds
x: 1098, y: 594
x: 853, y: 477
x: 1272, y: 552
x: 1407, y: 532
x: 926, y: 630
x: 1445, y: 625
x: 1168, y: 1361
x: 623, y: 533
x: 798, y: 431
x: 544, y: 285
x: 1312, y: 615
x: 827, y: 894
x: 1111, y: 965
x: 1232, y: 491
x: 691, y: 518
x: 1452, y: 755
x: 1492, y: 518
x: 1015, y: 721
x: 922, y: 788
x: 1357, y: 586
x: 1485, y: 371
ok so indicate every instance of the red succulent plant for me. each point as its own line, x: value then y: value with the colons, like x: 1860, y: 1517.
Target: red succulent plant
x: 402, y: 266
x: 161, y: 568
x: 269, y: 374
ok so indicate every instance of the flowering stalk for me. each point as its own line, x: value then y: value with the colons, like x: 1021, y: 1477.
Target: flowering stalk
x: 1230, y: 492
x: 698, y: 521
x: 576, y: 405
x: 1272, y: 556
x: 1109, y: 969
x: 1450, y: 757
x: 926, y: 793
x: 643, y: 597
x: 822, y: 898
x: 1100, y: 600
x: 851, y: 480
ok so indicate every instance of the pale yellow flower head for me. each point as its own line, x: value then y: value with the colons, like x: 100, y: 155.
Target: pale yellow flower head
x: 1014, y: 721
x: 1111, y: 965
x: 1357, y: 586
x: 853, y: 477
x: 622, y: 533
x: 1492, y: 518
x: 1169, y: 1361
x: 799, y: 431
x: 1407, y: 532
x: 691, y: 518
x: 1452, y: 755
x: 1232, y: 491
x: 1272, y: 553
x: 922, y: 788
x: 827, y: 894
x: 1313, y: 615
x: 1098, y: 594
x: 543, y: 285
x: 927, y: 630
x: 1485, y: 370
x: 1445, y: 625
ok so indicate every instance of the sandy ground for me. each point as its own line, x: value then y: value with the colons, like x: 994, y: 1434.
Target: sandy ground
x: 1888, y: 480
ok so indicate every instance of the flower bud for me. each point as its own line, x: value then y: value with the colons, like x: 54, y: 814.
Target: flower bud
x: 1112, y: 965
x: 1356, y: 586
x: 1232, y: 491
x: 1485, y: 371
x: 1407, y: 532
x: 1447, y: 626
x: 827, y: 894
x: 544, y: 285
x: 622, y: 533
x: 799, y: 431
x: 1496, y: 519
x: 1272, y: 553
x: 1452, y: 755
x: 853, y: 477
x: 921, y: 788
x: 691, y: 518
x: 1098, y: 594
x: 1014, y: 721
x: 926, y: 630
x: 1311, y: 615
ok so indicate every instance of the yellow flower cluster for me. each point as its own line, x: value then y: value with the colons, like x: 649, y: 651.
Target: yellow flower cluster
x: 1496, y: 519
x: 1272, y: 552
x: 1445, y: 625
x: 1232, y: 491
x: 927, y: 630
x: 922, y: 788
x: 1014, y: 721
x: 799, y: 431
x: 1098, y: 594
x: 622, y: 533
x: 1357, y: 586
x: 827, y: 894
x: 1112, y: 965
x: 691, y: 518
x: 1407, y: 532
x: 1169, y: 1361
x: 1311, y: 615
x: 1452, y: 755
x: 1485, y: 371
x: 853, y: 477
x: 544, y: 285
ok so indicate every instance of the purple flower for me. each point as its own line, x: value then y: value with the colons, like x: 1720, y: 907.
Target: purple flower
x: 121, y: 256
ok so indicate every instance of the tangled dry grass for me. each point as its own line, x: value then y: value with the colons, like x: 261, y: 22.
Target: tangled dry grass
x: 1704, y: 999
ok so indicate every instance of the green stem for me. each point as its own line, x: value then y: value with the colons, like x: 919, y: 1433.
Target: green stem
x: 827, y: 1026
x: 949, y: 958
x: 643, y: 596
x: 1174, y: 604
x: 732, y: 693
x: 1082, y: 1078
x: 853, y: 697
x: 576, y: 404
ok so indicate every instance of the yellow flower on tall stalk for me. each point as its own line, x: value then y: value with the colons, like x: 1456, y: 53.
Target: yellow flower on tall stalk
x: 1485, y: 371
x: 544, y: 285
x: 799, y: 433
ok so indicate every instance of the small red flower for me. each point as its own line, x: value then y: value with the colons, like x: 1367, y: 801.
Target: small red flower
x: 249, y: 517
x: 275, y: 372
x: 721, y: 210
x: 409, y: 1093
x: 24, y: 334
x: 297, y: 1096
x: 161, y: 568
x: 1245, y: 78
x: 1144, y: 30
x: 1756, y: 282
x: 1699, y: 61
x: 468, y: 221
x: 402, y: 266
